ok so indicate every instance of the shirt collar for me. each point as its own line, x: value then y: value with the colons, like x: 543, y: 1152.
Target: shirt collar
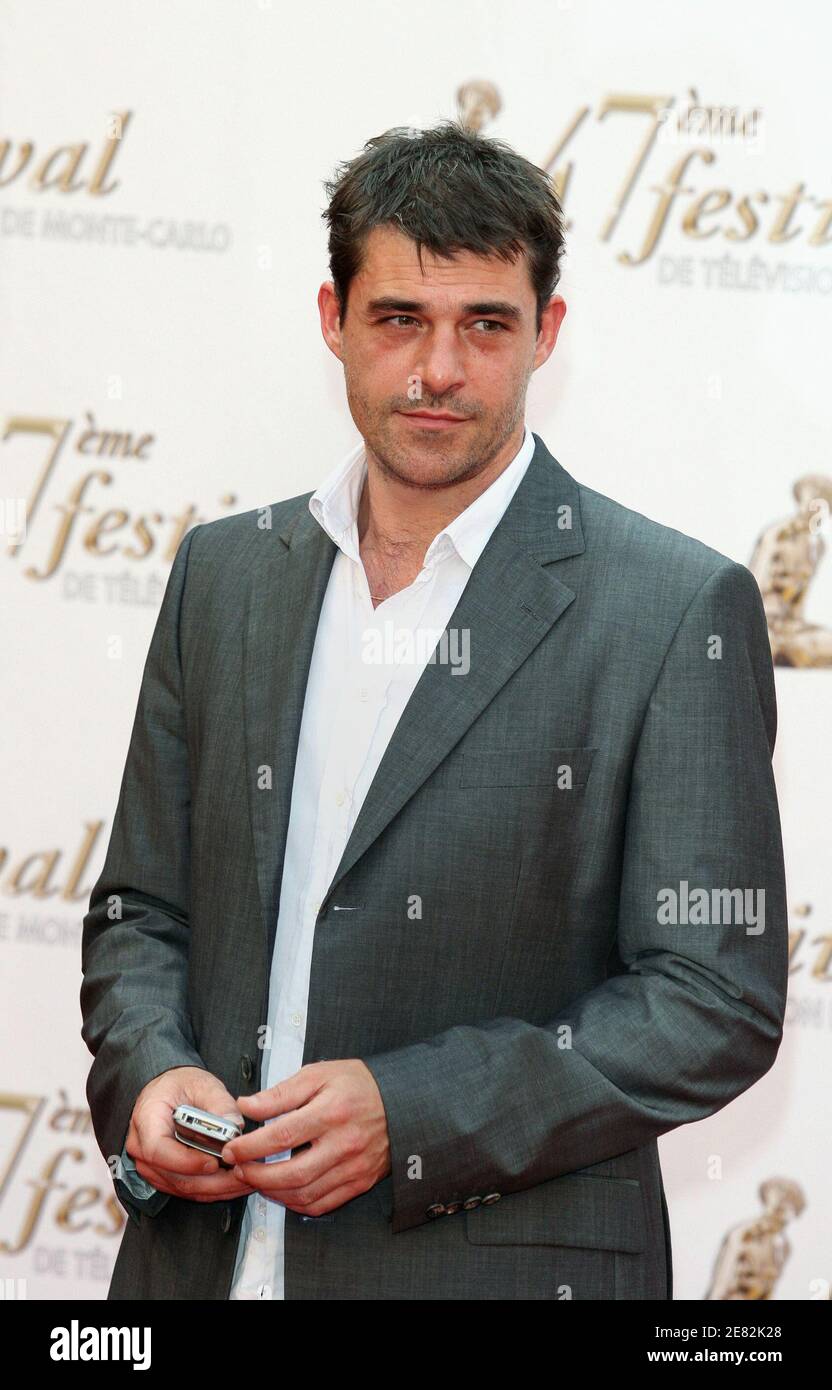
x: 334, y: 505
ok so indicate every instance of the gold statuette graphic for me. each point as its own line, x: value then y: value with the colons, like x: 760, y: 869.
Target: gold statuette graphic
x: 753, y: 1254
x: 784, y: 561
x: 478, y: 102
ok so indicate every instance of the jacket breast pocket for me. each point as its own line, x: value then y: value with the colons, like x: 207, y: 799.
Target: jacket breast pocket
x: 594, y: 1213
x: 563, y: 768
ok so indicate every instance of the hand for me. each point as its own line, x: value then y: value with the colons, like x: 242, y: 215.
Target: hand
x: 165, y: 1161
x: 335, y: 1108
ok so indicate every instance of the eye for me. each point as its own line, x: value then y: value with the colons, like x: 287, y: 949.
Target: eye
x: 408, y: 319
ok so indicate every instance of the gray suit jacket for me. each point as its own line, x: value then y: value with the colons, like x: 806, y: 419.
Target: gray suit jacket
x: 545, y: 1018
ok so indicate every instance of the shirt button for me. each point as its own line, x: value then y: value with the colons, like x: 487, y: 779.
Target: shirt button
x: 297, y: 1019
x: 259, y: 1234
x: 339, y: 798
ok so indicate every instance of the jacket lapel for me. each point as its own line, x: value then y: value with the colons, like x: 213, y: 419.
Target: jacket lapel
x: 508, y: 605
x: 285, y: 592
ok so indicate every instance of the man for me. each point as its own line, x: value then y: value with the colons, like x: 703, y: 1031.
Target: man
x: 456, y: 939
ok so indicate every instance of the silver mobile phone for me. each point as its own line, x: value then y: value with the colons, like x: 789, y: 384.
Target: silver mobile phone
x: 202, y: 1130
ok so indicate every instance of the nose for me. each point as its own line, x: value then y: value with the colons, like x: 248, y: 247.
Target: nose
x: 440, y: 363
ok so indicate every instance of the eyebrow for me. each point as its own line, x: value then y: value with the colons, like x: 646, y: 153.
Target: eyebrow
x: 391, y: 305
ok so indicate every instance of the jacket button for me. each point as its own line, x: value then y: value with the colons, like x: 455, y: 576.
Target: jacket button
x: 489, y: 1198
x: 452, y: 1207
x: 438, y: 1209
x: 246, y: 1070
x: 225, y: 1220
x: 471, y: 1202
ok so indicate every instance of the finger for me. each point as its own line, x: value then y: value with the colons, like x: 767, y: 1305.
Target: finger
x: 225, y: 1192
x: 159, y: 1145
x: 349, y: 1172
x: 224, y: 1197
x: 175, y: 1156
x: 222, y: 1185
x: 171, y: 1155
x: 207, y: 1093
x: 336, y: 1197
x: 342, y: 1177
x: 290, y: 1174
x: 155, y: 1143
x: 155, y: 1174
x: 288, y: 1094
x: 277, y: 1136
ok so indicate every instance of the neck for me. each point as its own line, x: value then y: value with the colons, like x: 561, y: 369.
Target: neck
x: 400, y: 520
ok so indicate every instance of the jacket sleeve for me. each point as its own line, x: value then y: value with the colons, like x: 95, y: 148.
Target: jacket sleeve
x: 695, y: 1015
x: 134, y: 943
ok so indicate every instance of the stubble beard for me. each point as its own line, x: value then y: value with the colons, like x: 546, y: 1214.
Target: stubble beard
x: 486, y: 437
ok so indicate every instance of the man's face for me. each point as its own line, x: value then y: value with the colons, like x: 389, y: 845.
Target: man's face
x: 460, y: 339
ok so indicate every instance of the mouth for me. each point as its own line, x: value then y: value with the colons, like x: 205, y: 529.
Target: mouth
x: 427, y: 420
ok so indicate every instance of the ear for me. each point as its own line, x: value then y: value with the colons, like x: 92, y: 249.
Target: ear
x: 330, y: 312
x: 550, y: 322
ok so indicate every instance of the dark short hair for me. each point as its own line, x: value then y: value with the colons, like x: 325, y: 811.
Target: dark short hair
x: 449, y: 189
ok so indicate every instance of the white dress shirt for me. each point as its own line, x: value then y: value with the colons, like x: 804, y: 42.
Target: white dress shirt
x: 351, y: 707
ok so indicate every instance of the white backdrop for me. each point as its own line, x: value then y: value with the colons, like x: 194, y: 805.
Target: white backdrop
x: 161, y: 362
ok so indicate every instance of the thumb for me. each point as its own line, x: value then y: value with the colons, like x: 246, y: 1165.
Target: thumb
x: 208, y: 1093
